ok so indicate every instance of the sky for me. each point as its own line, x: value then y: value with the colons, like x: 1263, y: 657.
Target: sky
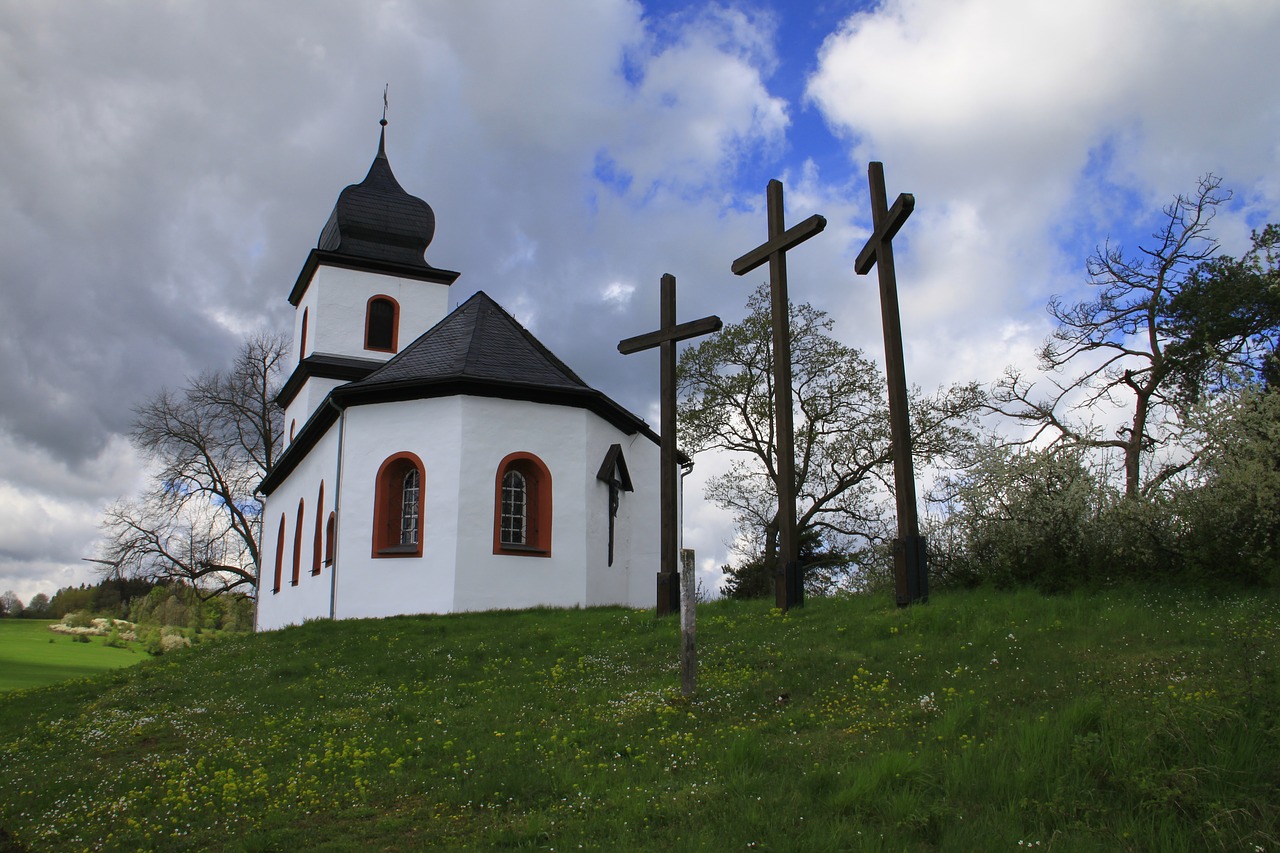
x: 166, y: 167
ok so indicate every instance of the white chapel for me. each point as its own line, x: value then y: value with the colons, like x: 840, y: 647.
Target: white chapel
x: 440, y: 461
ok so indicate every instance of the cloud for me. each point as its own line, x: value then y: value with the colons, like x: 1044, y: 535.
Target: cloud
x: 1029, y: 132
x: 178, y: 162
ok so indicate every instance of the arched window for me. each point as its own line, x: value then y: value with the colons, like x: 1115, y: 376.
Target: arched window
x: 302, y: 344
x: 522, y: 507
x: 297, y: 543
x: 275, y: 587
x: 330, y: 532
x: 397, y: 507
x: 318, y: 533
x: 381, y: 324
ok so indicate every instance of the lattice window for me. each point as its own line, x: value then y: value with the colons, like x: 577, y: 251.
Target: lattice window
x: 409, y: 508
x: 515, y: 503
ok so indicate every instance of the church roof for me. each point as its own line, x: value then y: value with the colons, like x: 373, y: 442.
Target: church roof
x: 477, y: 350
x: 377, y: 220
x: 478, y: 342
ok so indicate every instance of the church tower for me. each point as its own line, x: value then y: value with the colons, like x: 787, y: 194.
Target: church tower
x: 365, y: 291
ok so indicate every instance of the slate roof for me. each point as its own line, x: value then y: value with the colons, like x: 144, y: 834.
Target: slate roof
x: 478, y: 350
x: 479, y: 342
x: 377, y: 220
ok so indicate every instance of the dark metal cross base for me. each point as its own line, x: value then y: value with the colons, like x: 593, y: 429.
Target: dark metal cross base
x: 911, y: 570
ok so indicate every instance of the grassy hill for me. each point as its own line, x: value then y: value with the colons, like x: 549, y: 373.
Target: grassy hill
x: 982, y: 721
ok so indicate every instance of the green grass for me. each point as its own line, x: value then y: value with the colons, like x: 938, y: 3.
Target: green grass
x: 982, y: 721
x: 33, y: 656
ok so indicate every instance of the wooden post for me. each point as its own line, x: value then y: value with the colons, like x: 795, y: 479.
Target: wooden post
x: 688, y: 624
x: 910, y: 554
x: 774, y: 250
x: 666, y: 337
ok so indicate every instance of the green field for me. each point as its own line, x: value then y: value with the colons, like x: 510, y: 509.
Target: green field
x: 1127, y: 720
x: 33, y: 656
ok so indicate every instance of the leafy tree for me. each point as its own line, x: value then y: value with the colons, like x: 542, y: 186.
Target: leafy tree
x: 825, y: 569
x: 1225, y: 321
x: 842, y: 444
x: 37, y: 606
x: 10, y: 604
x: 211, y: 443
x: 71, y: 599
x: 1231, y: 520
x: 1149, y: 333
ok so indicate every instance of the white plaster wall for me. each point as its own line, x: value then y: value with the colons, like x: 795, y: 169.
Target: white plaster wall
x: 374, y: 587
x: 492, y: 429
x: 306, y: 305
x: 310, y: 598
x: 639, y: 516
x: 338, y: 311
x: 630, y: 580
x: 309, y: 398
x: 461, y: 441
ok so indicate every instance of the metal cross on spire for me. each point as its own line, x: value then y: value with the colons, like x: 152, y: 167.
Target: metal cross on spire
x: 788, y: 577
x: 385, y: 87
x: 666, y: 337
x: 910, y: 556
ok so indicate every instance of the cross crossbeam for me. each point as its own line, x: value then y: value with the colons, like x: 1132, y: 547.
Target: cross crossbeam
x: 666, y: 336
x: 788, y: 579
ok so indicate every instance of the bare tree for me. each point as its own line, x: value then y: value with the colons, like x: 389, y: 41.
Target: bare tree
x: 1117, y: 342
x: 200, y: 521
x: 842, y: 445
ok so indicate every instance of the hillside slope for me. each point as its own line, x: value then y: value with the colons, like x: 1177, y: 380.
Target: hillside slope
x: 981, y: 721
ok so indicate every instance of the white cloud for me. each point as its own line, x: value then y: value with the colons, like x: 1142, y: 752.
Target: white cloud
x: 1021, y: 125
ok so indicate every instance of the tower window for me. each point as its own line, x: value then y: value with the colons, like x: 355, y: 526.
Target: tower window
x: 382, y: 317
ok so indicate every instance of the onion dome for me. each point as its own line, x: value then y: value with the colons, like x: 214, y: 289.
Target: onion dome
x: 377, y: 220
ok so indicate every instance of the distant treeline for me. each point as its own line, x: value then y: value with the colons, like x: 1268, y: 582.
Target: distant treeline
x: 145, y: 603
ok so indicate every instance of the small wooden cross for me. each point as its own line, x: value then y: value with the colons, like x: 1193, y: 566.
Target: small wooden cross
x: 666, y: 337
x: 788, y: 581
x: 910, y: 555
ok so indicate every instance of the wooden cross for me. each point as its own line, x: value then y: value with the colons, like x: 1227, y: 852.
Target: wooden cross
x: 665, y: 338
x: 613, y: 473
x: 788, y: 580
x: 910, y: 555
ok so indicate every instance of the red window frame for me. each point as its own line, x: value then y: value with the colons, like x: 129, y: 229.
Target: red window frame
x: 538, y: 506
x: 388, y: 501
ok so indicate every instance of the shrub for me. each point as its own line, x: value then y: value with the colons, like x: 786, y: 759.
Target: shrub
x: 78, y: 619
x: 172, y: 641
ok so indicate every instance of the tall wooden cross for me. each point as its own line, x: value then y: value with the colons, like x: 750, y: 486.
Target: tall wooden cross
x: 910, y: 555
x: 665, y: 338
x: 788, y: 586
